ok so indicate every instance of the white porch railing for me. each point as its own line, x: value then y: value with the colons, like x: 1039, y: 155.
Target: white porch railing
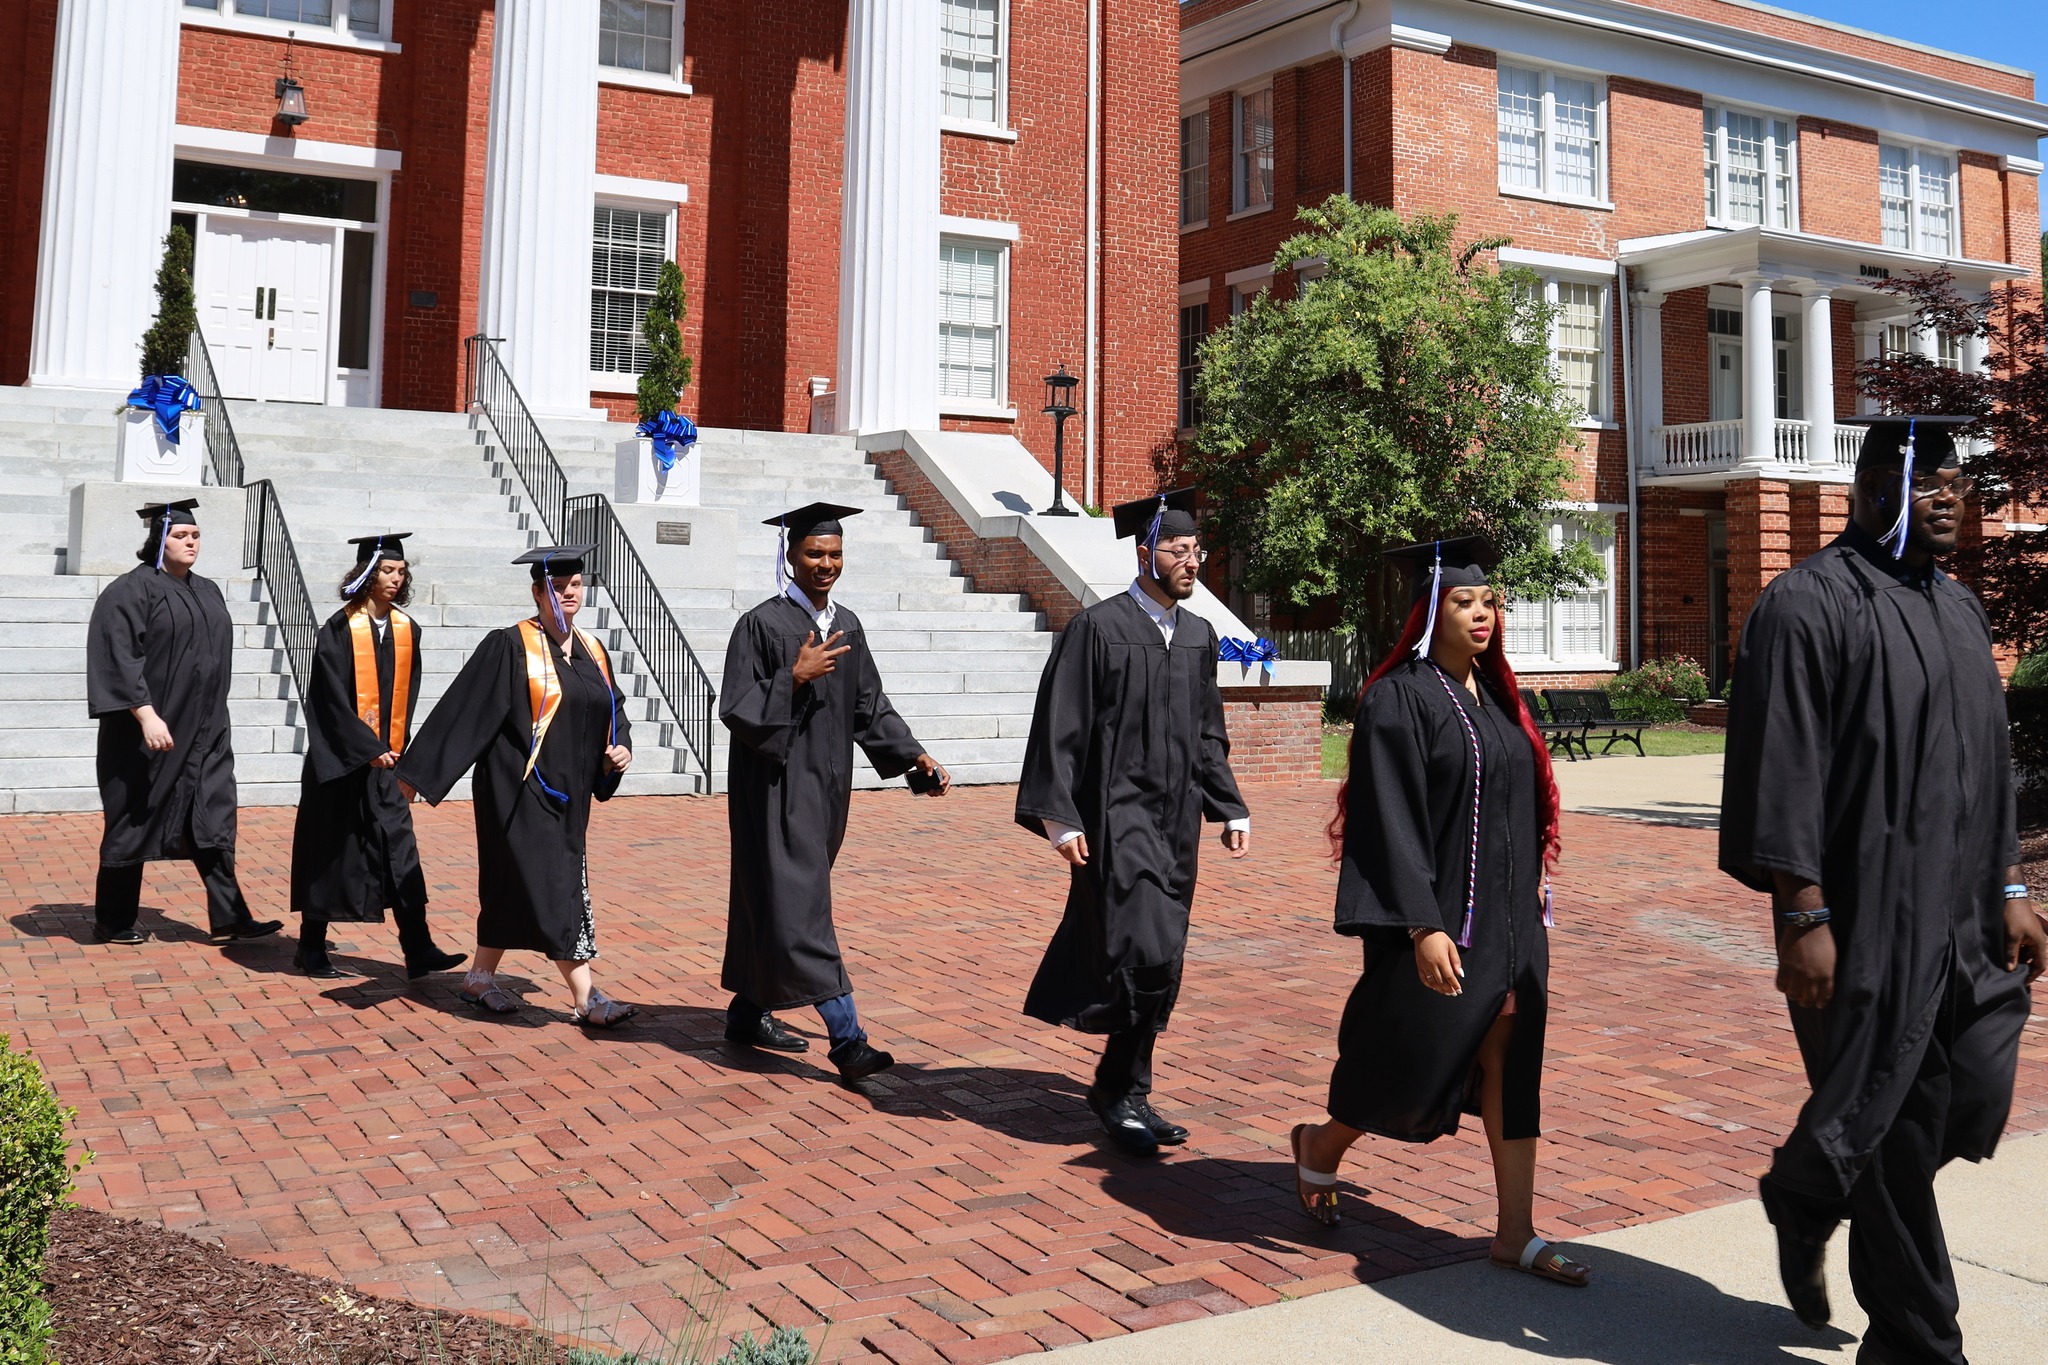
x: 1716, y: 447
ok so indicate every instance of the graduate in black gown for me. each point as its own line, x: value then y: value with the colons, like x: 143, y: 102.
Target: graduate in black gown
x: 1868, y: 790
x: 1447, y: 823
x: 800, y: 691
x: 353, y: 852
x: 158, y: 658
x: 534, y: 782
x: 1127, y: 757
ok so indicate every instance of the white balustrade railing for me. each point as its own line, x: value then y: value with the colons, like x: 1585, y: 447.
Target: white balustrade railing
x: 1716, y: 447
x: 1848, y: 445
x: 1788, y: 443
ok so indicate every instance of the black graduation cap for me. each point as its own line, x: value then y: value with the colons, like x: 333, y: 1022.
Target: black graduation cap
x: 1175, y: 510
x: 386, y: 546
x: 813, y: 519
x: 1884, y: 441
x: 555, y: 561
x: 1466, y: 561
x: 180, y: 513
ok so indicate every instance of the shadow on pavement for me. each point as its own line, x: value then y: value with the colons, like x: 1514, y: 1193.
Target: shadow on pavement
x: 1684, y: 814
x: 73, y: 921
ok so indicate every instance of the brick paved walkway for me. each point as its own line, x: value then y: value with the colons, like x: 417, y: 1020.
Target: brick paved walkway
x: 960, y: 1209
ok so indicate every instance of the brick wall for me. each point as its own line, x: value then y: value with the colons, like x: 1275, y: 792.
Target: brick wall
x: 1838, y: 180
x: 28, y: 43
x: 1276, y: 733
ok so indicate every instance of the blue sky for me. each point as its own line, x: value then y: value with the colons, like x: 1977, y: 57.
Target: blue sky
x: 2014, y: 32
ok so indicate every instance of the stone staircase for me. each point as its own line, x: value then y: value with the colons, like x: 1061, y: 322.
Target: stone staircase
x: 961, y: 666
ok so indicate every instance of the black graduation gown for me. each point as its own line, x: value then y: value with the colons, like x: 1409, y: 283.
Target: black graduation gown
x: 1405, y: 1053
x: 789, y: 779
x: 533, y: 890
x: 1127, y: 745
x: 158, y: 641
x: 353, y: 852
x: 1868, y: 753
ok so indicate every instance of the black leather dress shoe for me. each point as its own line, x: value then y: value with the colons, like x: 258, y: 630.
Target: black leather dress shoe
x: 1125, y: 1125
x: 856, y: 1060
x: 1167, y: 1134
x: 314, y: 962
x: 126, y: 938
x: 768, y: 1032
x: 433, y: 960
x: 1802, y: 1266
x: 248, y: 928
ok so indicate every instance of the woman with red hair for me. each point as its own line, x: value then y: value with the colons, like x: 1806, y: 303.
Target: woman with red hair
x: 1445, y: 829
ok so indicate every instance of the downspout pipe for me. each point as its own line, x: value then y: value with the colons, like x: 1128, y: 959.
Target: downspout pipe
x: 1091, y: 363
x: 1337, y: 28
x: 1635, y: 437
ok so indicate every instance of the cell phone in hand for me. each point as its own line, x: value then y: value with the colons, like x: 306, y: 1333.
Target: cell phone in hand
x: 922, y: 782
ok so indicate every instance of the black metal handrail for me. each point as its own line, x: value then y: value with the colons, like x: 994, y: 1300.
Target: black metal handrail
x: 677, y: 672
x: 675, y: 668
x: 222, y: 448
x: 267, y: 548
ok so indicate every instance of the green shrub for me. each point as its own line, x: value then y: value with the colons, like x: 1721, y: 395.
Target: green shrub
x: 668, y: 369
x: 165, y: 344
x: 2031, y: 671
x: 1659, y: 691
x: 2027, y: 708
x: 34, y: 1180
x: 785, y: 1346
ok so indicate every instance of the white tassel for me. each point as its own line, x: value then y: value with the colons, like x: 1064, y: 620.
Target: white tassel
x: 1436, y: 591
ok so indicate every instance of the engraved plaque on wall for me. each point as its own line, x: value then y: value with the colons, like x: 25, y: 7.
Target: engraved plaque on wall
x: 671, y: 533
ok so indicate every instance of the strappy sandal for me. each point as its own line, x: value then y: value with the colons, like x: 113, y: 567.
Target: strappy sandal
x: 602, y: 1012
x: 493, y: 999
x: 1546, y: 1262
x: 1317, y: 1190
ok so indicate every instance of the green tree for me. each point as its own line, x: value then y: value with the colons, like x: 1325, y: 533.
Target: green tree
x: 668, y: 369
x: 164, y: 344
x: 1404, y: 394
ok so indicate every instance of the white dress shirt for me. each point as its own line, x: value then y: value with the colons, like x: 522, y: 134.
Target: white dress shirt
x: 1166, y: 618
x: 822, y: 618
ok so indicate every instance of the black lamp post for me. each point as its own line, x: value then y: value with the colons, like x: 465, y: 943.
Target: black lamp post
x: 291, y: 96
x: 1059, y: 401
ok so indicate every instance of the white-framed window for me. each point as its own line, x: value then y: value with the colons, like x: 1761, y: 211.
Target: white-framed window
x: 1194, y: 329
x: 640, y: 35
x: 1752, y: 173
x: 628, y: 246
x: 1194, y: 169
x: 1579, y: 329
x: 1897, y: 340
x: 1251, y: 139
x: 1576, y: 630
x: 973, y: 321
x: 972, y: 55
x: 1948, y: 351
x: 1917, y: 198
x: 1552, y: 133
x: 356, y: 19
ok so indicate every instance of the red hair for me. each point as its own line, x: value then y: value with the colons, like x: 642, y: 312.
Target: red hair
x: 1493, y: 662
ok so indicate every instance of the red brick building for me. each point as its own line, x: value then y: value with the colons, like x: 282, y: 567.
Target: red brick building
x: 1724, y: 169
x: 523, y: 166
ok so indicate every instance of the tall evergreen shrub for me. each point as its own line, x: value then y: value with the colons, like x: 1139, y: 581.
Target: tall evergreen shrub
x: 164, y: 344
x: 668, y: 369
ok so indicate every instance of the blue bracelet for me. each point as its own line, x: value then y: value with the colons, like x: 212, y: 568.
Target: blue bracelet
x: 2018, y: 892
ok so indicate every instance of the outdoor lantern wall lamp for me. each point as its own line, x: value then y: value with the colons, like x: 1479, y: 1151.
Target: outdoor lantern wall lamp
x: 1059, y: 402
x: 291, y: 96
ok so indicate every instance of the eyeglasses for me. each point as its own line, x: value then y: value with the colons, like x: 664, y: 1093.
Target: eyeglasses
x: 1199, y: 556
x: 1930, y: 487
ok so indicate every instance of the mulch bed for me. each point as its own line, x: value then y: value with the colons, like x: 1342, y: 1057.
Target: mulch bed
x: 133, y: 1293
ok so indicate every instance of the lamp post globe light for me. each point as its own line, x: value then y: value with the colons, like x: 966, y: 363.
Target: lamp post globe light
x: 1059, y: 403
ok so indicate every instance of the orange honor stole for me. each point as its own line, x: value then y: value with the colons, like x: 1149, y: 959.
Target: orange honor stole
x: 363, y: 638
x: 542, y: 694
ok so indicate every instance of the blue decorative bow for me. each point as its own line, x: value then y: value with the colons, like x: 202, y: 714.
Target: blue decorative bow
x: 671, y: 433
x: 169, y: 397
x: 1248, y: 652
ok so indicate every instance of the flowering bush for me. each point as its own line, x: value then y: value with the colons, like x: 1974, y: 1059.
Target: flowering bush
x: 1659, y: 691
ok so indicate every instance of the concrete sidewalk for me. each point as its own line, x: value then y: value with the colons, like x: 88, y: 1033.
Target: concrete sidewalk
x: 1664, y: 791
x: 1699, y: 1289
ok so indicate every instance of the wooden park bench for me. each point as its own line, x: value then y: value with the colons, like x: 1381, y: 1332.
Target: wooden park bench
x: 1565, y: 736
x: 1595, y: 710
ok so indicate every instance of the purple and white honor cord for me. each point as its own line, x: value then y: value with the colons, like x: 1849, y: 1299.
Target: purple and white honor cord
x: 1472, y: 868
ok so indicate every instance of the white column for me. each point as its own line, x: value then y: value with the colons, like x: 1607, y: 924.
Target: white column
x: 1920, y: 340
x: 889, y: 225
x: 1649, y: 340
x: 1818, y: 346
x: 1869, y: 347
x: 540, y: 186
x: 106, y: 191
x: 1759, y: 390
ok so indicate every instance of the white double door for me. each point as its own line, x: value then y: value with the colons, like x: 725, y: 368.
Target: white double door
x: 266, y: 303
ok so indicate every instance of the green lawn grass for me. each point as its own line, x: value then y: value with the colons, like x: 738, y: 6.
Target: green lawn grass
x: 1657, y: 743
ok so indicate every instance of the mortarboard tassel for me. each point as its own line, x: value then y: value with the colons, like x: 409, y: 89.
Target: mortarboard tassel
x: 1436, y: 590
x: 1152, y: 537
x: 355, y: 585
x: 163, y: 534
x: 547, y: 576
x: 1897, y: 535
x: 782, y: 555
